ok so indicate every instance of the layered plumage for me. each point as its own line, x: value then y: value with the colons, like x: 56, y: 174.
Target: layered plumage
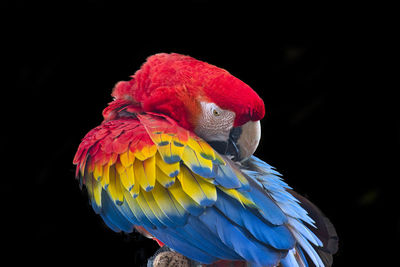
x: 144, y: 167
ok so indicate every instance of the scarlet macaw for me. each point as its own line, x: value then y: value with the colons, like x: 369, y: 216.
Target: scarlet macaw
x: 174, y: 158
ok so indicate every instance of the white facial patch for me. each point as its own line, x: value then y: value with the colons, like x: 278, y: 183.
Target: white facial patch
x: 214, y: 123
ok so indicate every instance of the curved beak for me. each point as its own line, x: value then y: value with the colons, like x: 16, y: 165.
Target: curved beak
x: 242, y: 142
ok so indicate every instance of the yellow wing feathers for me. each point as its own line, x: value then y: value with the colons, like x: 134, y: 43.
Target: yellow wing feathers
x: 115, y: 186
x: 145, y: 173
x: 198, y: 188
x: 138, y: 176
x: 173, y: 164
x: 94, y: 188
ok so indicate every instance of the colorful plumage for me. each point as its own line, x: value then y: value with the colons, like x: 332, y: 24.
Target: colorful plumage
x: 173, y: 157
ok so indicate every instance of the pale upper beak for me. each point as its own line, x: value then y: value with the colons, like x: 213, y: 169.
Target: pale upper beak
x: 242, y: 141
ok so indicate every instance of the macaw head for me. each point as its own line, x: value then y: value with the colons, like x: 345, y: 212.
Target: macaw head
x: 200, y: 97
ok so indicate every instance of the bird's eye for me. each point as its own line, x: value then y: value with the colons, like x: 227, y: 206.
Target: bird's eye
x: 216, y: 112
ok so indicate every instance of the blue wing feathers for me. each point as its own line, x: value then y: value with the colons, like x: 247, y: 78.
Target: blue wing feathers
x: 295, y: 214
x: 137, y: 211
x: 294, y: 258
x: 303, y: 230
x: 147, y: 212
x: 295, y: 211
x: 208, y: 242
x: 226, y: 177
x: 184, y: 247
x: 289, y: 260
x: 308, y: 249
x: 232, y: 236
x: 264, y: 234
x: 128, y: 213
x: 171, y: 208
x: 277, y: 236
x: 267, y: 206
x: 301, y: 254
x: 277, y: 188
x: 112, y: 217
x: 150, y: 205
x: 282, y: 196
x: 196, y: 227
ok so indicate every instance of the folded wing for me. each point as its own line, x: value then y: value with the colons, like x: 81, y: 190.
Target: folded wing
x: 147, y: 171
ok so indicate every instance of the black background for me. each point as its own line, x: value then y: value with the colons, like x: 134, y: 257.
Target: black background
x: 330, y: 125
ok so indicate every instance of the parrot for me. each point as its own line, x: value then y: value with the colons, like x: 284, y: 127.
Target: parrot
x: 173, y: 159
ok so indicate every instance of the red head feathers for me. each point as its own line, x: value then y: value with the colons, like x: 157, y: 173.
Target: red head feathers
x: 175, y: 84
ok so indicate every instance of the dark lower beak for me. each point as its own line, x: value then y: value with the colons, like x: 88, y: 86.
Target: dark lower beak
x: 242, y: 141
x: 229, y: 147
